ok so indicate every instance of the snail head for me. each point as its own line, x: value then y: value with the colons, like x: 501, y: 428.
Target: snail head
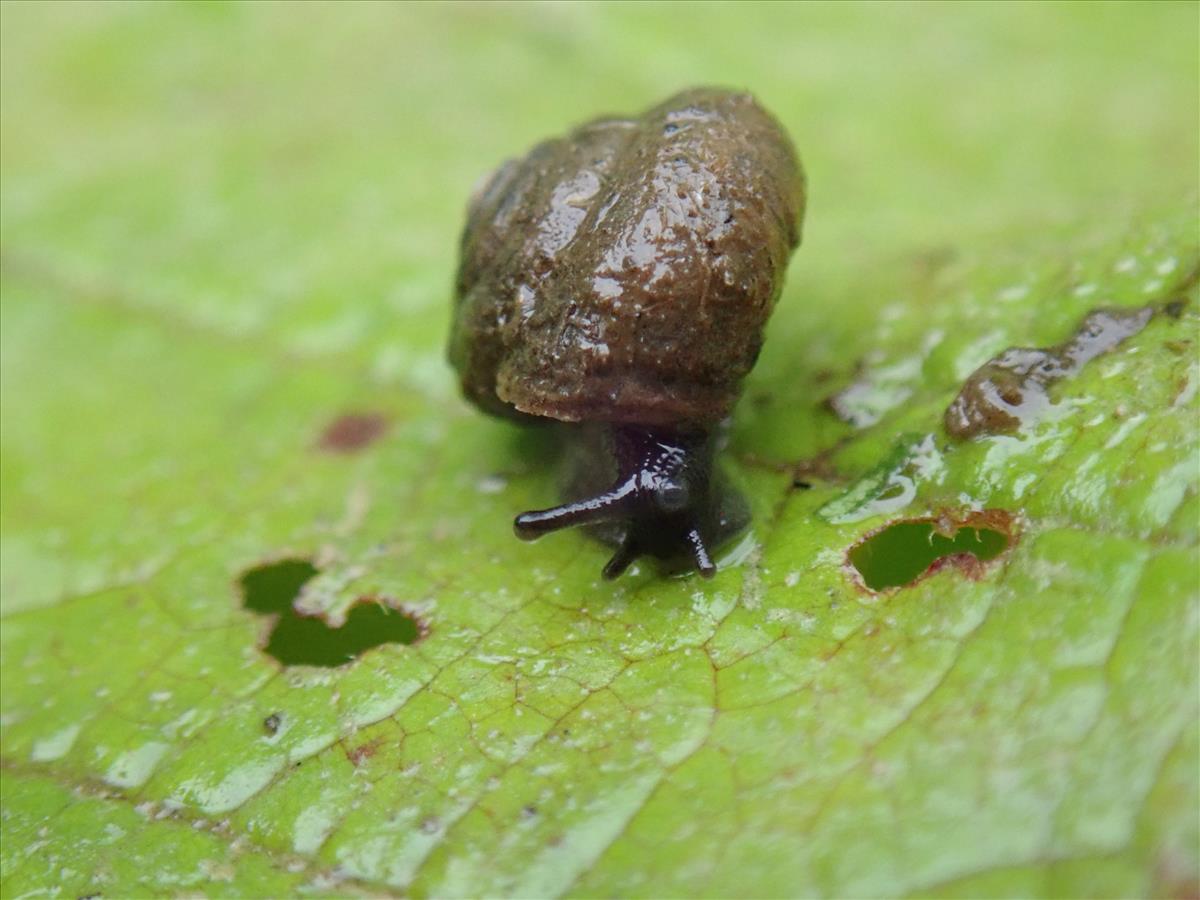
x: 662, y: 497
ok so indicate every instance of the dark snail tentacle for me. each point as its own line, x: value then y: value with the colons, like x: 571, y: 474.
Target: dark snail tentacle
x: 704, y: 563
x: 603, y: 508
x: 626, y: 553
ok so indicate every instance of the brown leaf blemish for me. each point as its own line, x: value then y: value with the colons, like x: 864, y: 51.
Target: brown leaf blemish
x: 363, y: 752
x: 351, y: 432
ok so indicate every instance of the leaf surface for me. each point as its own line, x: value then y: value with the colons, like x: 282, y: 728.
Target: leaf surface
x: 229, y: 234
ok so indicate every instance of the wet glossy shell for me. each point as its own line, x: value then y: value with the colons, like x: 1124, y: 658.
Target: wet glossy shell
x: 624, y: 273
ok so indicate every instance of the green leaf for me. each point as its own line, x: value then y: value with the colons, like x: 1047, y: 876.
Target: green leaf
x: 229, y: 233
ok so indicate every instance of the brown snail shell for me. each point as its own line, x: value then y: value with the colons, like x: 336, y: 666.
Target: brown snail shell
x: 624, y: 273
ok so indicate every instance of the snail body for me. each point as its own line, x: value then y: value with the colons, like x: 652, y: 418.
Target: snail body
x: 619, y: 279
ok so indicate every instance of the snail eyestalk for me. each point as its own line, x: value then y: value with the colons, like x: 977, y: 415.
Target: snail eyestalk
x: 662, y: 504
x: 704, y: 565
x: 611, y: 505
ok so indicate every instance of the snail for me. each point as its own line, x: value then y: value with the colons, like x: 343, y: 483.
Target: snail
x: 618, y: 280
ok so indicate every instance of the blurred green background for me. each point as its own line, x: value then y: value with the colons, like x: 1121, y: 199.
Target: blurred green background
x: 224, y: 225
x: 209, y: 153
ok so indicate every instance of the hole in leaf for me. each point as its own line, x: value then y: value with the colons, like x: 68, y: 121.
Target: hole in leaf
x: 900, y: 553
x: 271, y: 588
x: 307, y: 640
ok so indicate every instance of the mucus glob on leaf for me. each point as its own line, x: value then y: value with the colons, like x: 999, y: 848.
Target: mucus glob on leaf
x: 1013, y: 387
x: 618, y: 280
